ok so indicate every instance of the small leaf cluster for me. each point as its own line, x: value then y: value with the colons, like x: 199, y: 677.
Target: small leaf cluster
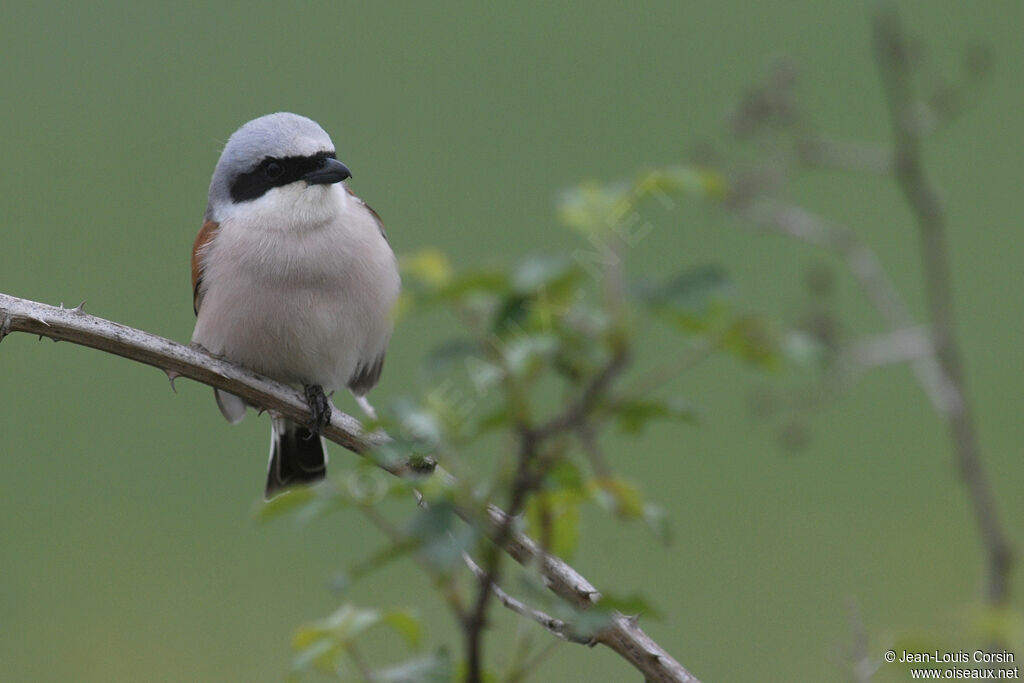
x: 540, y: 374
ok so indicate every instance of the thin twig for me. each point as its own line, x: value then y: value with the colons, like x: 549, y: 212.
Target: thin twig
x: 865, y: 266
x: 685, y: 360
x: 890, y: 348
x: 892, y: 57
x: 475, y: 621
x: 523, y: 670
x: 863, y: 667
x: 443, y: 582
x: 623, y: 636
x: 576, y: 412
x: 365, y: 672
x: 592, y: 450
x: 557, y: 627
x: 530, y: 468
x: 823, y: 151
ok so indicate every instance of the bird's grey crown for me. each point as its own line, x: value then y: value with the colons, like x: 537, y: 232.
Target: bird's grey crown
x: 274, y: 135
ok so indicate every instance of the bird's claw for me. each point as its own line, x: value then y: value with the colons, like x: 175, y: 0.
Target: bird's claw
x: 319, y: 407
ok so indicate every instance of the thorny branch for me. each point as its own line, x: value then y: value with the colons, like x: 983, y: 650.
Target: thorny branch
x: 558, y: 627
x: 623, y: 635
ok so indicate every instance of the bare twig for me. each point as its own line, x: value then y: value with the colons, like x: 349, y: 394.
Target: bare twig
x: 577, y: 411
x: 623, y: 636
x: 799, y: 223
x: 525, y: 668
x: 863, y: 667
x: 828, y: 152
x: 890, y: 348
x: 559, y: 628
x: 592, y: 449
x: 895, y: 70
x: 473, y: 623
x: 530, y: 469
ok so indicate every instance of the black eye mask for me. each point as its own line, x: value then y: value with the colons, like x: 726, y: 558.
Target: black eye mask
x: 274, y: 172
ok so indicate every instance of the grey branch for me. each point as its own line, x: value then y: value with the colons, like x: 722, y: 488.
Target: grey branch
x: 624, y: 636
x: 890, y: 348
x: 557, y: 627
x: 801, y: 224
x: 895, y: 69
x: 864, y: 667
x: 844, y: 155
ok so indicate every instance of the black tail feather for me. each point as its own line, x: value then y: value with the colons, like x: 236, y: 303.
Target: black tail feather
x: 297, y: 457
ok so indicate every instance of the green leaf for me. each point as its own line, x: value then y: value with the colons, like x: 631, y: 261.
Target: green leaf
x: 803, y: 349
x: 997, y: 624
x: 406, y: 625
x: 554, y: 516
x: 511, y: 316
x: 430, y: 266
x: 633, y: 415
x: 386, y: 555
x: 483, y: 374
x: 658, y: 522
x: 499, y: 417
x: 691, y: 293
x: 595, y: 209
x: 619, y: 496
x: 587, y: 623
x: 542, y: 272
x: 632, y: 604
x: 322, y: 643
x: 348, y: 622
x: 440, y: 538
x: 419, y: 430
x: 751, y: 339
x: 564, y: 475
x: 691, y: 180
x: 473, y: 283
x: 320, y: 653
x: 443, y: 356
x: 368, y: 485
x: 316, y: 508
x: 524, y: 354
x: 435, y: 521
x: 433, y: 668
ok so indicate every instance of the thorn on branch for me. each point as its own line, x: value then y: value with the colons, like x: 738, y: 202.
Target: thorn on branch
x: 172, y: 375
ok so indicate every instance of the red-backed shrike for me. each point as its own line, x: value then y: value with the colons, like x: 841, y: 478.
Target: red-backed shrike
x: 293, y: 278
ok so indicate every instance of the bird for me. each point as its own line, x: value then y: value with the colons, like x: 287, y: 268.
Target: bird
x: 294, y: 278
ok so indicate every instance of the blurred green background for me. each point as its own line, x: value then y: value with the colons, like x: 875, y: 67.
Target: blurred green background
x: 128, y: 544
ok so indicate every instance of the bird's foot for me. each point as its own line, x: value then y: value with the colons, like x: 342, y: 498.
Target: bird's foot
x: 319, y: 406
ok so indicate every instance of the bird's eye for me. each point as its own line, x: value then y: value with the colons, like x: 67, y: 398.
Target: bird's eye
x: 273, y: 170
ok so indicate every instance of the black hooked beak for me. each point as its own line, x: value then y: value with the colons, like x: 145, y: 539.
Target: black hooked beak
x: 332, y: 171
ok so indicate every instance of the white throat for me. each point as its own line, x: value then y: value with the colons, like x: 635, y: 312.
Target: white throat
x: 291, y: 208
